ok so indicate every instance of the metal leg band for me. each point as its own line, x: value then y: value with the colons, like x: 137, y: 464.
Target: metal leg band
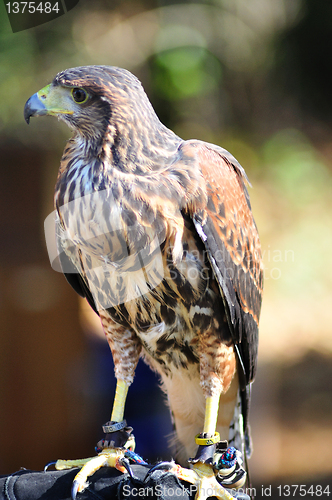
x: 114, y: 426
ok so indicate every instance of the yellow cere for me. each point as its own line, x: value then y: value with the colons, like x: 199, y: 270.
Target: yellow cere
x: 42, y: 93
x: 55, y: 100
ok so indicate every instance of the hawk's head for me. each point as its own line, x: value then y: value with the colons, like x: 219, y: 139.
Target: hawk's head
x: 92, y: 99
x: 108, y: 108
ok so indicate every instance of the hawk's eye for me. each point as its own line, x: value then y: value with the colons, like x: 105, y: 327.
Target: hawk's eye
x: 79, y: 95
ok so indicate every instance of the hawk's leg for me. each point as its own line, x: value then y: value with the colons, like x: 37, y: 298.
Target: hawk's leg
x: 203, y: 474
x: 113, y: 446
x: 217, y: 370
x: 126, y: 348
x: 208, y: 438
x: 117, y: 433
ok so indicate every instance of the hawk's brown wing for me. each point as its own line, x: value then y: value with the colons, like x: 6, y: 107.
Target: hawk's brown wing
x: 225, y: 224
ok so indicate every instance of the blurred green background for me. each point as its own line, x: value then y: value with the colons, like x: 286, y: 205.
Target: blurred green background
x: 253, y: 76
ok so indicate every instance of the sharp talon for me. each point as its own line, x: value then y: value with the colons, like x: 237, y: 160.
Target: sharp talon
x: 203, y: 477
x: 49, y: 465
x: 74, y: 489
x: 125, y: 463
x: 108, y: 457
x: 161, y: 465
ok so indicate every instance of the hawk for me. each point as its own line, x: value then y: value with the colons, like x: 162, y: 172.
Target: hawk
x: 158, y: 234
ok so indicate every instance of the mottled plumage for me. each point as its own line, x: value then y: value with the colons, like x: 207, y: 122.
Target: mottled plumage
x: 159, y: 237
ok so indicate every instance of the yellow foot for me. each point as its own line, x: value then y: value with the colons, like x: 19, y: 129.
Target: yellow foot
x: 203, y: 477
x: 109, y: 457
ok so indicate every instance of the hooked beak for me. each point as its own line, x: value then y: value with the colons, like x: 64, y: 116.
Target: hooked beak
x: 34, y: 107
x: 47, y: 101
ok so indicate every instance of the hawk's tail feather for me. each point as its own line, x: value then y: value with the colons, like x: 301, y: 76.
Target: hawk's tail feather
x: 239, y: 437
